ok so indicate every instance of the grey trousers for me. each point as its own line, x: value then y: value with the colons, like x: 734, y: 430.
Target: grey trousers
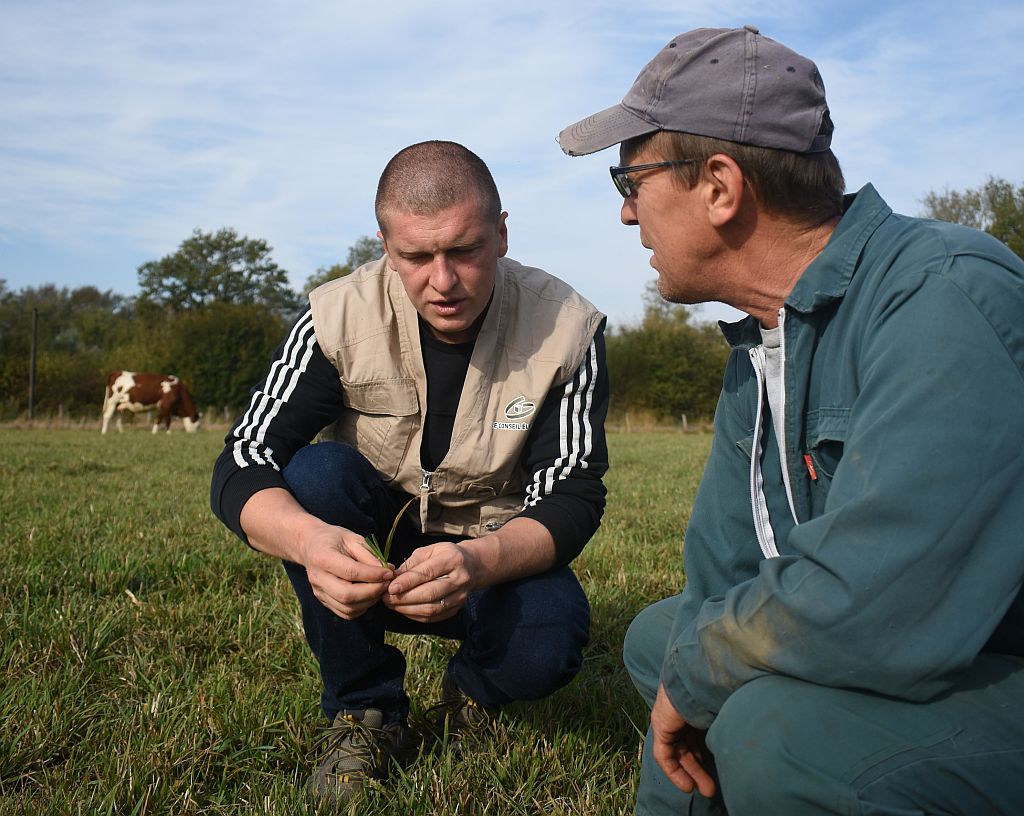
x: 786, y: 747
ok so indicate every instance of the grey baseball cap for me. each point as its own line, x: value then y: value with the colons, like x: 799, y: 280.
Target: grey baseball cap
x: 727, y: 83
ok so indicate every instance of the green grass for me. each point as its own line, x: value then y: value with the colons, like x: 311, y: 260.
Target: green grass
x: 154, y: 664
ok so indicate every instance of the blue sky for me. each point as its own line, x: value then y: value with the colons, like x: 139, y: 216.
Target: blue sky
x: 126, y: 125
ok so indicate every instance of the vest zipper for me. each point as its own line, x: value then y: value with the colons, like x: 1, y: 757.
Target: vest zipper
x: 425, y: 481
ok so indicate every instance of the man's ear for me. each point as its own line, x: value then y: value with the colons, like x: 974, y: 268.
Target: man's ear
x: 502, y: 235
x: 724, y: 189
x: 384, y: 243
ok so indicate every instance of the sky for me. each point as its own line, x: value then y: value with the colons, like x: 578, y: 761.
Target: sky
x: 124, y: 126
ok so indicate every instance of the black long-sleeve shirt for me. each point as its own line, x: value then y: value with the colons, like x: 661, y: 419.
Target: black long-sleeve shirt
x: 566, y: 452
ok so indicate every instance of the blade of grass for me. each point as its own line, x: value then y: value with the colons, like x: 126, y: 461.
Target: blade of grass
x: 394, y: 526
x: 374, y: 546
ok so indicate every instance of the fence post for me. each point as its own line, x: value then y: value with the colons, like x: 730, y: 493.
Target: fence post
x: 32, y: 366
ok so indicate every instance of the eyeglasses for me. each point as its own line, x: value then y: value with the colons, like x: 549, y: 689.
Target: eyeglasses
x: 620, y: 175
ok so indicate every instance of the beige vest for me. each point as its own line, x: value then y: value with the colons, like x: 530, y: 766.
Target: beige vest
x: 534, y: 336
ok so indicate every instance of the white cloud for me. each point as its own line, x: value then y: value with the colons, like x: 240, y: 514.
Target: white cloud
x: 124, y: 126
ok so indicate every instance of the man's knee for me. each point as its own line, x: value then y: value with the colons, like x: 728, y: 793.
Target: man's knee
x: 536, y: 632
x: 643, y: 650
x: 332, y: 481
x: 324, y: 463
x: 785, y: 746
x: 764, y: 741
x: 555, y: 633
x: 547, y: 671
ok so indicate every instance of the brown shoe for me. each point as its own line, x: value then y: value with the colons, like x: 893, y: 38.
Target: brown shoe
x: 356, y: 747
x: 458, y: 718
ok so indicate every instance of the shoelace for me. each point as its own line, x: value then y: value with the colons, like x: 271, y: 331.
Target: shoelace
x: 362, y: 739
x: 473, y: 715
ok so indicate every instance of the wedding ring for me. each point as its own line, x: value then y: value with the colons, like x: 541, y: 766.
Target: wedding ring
x: 442, y: 603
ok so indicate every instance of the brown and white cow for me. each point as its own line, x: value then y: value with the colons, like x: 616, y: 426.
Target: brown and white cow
x: 137, y: 391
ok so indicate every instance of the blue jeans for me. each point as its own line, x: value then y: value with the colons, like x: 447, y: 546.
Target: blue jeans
x: 521, y: 640
x: 784, y: 746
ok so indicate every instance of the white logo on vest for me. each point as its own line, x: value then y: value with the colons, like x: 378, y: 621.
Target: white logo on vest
x: 518, y: 408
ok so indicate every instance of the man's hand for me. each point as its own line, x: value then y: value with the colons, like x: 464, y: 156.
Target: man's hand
x: 432, y: 574
x: 679, y: 748
x: 345, y: 576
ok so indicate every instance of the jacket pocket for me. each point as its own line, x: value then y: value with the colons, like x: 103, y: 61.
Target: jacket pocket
x: 380, y: 419
x: 826, y: 433
x: 746, y: 446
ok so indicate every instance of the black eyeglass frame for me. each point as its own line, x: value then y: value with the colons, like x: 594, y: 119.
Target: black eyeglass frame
x: 620, y: 176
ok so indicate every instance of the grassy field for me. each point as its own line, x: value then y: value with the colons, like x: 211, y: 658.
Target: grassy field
x: 154, y: 664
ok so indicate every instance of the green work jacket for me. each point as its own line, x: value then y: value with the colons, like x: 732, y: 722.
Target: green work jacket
x: 894, y: 551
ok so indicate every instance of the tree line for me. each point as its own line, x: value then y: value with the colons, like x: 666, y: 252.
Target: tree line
x: 213, y: 312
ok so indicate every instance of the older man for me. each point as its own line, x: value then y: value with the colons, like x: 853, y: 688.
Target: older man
x: 851, y: 632
x: 469, y: 385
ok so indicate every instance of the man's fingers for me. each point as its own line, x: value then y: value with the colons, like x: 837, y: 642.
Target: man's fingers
x: 684, y: 768
x: 428, y: 587
x: 363, y: 569
x: 668, y: 760
x: 345, y: 598
x: 693, y: 766
x: 361, y: 553
x: 437, y: 608
x: 426, y: 599
x: 434, y: 576
x: 441, y: 562
x: 342, y: 610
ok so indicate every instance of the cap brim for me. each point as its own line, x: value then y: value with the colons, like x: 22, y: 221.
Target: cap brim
x: 604, y: 129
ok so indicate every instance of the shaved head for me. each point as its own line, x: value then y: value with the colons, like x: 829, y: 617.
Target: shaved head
x: 429, y: 177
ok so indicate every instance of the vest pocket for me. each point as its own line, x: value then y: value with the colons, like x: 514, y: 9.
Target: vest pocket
x: 380, y: 419
x: 495, y: 513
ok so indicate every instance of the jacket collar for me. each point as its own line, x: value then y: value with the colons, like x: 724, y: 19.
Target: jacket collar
x: 829, y: 275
